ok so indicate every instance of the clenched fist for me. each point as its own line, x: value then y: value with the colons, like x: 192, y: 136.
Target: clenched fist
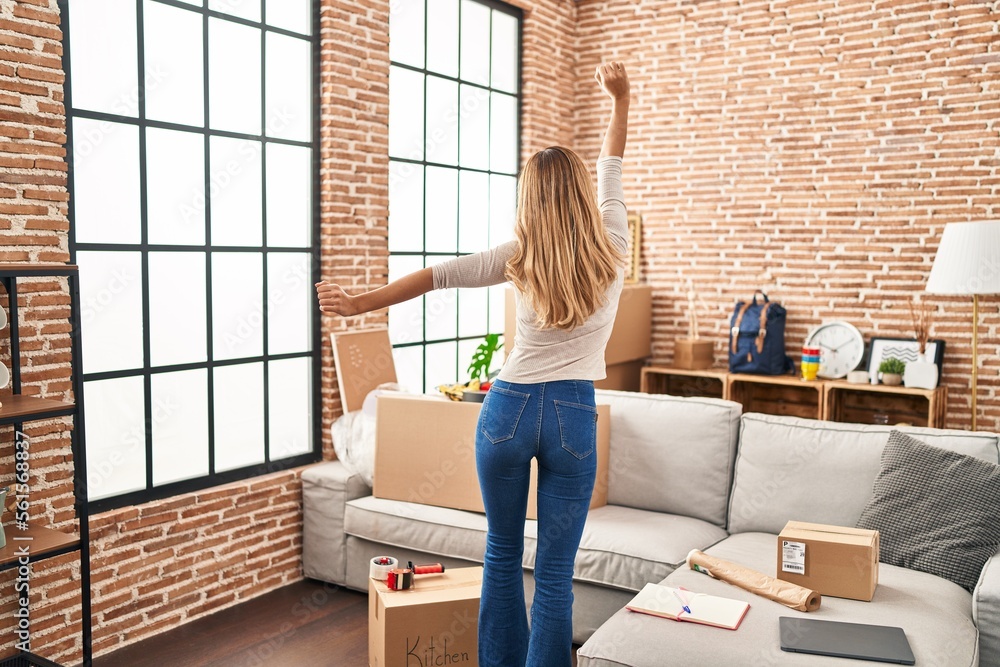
x: 613, y: 80
x: 333, y: 299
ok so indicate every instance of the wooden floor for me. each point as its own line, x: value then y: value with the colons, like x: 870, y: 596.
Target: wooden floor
x: 306, y: 623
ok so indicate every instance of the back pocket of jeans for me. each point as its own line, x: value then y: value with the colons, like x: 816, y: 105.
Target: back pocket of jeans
x: 501, y: 413
x: 577, y: 428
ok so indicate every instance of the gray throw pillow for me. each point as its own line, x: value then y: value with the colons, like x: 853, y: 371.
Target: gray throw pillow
x: 936, y: 511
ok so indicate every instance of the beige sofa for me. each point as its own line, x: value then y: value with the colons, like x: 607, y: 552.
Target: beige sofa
x: 685, y: 473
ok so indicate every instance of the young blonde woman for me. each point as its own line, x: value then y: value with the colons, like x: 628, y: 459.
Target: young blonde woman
x: 566, y: 264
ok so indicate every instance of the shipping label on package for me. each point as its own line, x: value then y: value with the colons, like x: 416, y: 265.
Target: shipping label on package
x: 793, y: 557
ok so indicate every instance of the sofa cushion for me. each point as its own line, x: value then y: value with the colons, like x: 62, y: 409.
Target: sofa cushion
x: 627, y: 548
x: 671, y: 454
x: 951, y: 531
x: 935, y: 614
x: 621, y: 547
x: 822, y: 472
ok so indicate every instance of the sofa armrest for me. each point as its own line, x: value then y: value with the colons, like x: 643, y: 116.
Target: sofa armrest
x: 986, y: 612
x: 326, y: 489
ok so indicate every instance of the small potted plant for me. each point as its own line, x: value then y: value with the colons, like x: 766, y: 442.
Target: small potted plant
x: 479, y: 368
x: 891, y: 370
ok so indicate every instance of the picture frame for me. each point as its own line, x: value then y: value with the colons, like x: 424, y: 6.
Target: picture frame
x: 634, y: 246
x: 905, y: 349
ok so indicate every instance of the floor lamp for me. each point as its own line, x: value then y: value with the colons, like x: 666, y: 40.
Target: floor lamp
x: 968, y: 263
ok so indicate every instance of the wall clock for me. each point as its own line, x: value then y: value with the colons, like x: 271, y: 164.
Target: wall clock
x: 841, y: 348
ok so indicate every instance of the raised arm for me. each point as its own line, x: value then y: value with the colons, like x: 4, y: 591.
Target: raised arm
x: 614, y: 81
x: 333, y: 298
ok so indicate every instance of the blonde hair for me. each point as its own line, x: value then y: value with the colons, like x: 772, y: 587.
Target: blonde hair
x: 565, y: 261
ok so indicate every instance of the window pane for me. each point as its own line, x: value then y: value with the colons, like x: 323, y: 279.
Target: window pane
x: 441, y: 365
x: 289, y: 303
x: 106, y: 168
x: 406, y: 32
x: 474, y: 145
x: 174, y: 82
x: 442, y: 120
x: 406, y: 114
x: 116, y: 436
x: 473, y: 211
x: 111, y: 310
x: 105, y: 71
x: 503, y: 205
x: 442, y: 36
x: 175, y: 187
x: 442, y: 209
x: 246, y: 9
x: 234, y: 76
x: 440, y: 310
x: 406, y: 319
x: 288, y: 87
x: 409, y: 362
x: 176, y: 308
x: 472, y: 312
x: 475, y: 42
x: 406, y: 207
x: 294, y: 15
x: 289, y: 196
x: 466, y: 348
x: 504, y: 55
x: 290, y: 407
x: 179, y: 425
x: 503, y: 133
x: 238, y: 404
x: 236, y: 193
x: 237, y: 305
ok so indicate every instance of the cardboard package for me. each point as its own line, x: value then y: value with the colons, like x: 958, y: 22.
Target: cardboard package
x: 363, y: 360
x: 833, y: 560
x: 434, y: 623
x: 425, y: 452
x: 630, y: 341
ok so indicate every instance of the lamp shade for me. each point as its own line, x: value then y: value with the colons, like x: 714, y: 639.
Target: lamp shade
x: 968, y: 259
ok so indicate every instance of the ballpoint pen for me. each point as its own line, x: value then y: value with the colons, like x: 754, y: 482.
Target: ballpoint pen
x: 683, y: 602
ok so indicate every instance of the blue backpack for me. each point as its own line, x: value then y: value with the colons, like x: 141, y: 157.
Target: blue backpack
x: 757, y: 338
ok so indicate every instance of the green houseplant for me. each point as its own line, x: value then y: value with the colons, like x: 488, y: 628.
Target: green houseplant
x: 891, y: 370
x: 482, y: 358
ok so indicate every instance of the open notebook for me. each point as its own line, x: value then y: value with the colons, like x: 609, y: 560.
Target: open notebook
x: 664, y: 601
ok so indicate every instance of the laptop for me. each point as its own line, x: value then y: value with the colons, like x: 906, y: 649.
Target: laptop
x: 879, y: 643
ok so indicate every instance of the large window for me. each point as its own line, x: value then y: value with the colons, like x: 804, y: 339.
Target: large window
x: 454, y: 107
x: 193, y: 139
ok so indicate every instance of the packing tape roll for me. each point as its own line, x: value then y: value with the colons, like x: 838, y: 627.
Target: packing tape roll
x: 380, y: 566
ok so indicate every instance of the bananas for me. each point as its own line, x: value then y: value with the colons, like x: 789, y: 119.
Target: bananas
x: 455, y: 391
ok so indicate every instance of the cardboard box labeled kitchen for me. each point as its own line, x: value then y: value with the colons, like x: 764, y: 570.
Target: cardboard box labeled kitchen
x: 434, y: 623
x: 425, y: 452
x: 832, y: 560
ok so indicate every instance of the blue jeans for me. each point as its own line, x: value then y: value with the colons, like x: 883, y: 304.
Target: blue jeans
x: 556, y: 423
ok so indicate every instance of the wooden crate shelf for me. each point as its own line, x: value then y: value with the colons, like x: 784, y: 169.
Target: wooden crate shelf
x: 787, y: 395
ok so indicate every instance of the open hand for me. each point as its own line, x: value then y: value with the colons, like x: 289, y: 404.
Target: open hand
x: 613, y: 80
x: 333, y: 299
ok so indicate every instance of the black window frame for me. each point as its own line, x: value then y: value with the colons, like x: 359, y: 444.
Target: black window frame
x: 213, y: 478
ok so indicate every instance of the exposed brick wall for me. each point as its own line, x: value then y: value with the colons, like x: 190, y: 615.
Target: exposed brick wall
x: 812, y: 149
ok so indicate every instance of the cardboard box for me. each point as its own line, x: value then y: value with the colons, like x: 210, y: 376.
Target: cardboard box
x: 630, y: 337
x: 693, y: 354
x: 434, y: 623
x: 626, y: 376
x: 425, y: 452
x: 832, y: 560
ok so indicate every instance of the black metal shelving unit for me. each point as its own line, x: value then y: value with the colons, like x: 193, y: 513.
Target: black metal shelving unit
x: 17, y: 409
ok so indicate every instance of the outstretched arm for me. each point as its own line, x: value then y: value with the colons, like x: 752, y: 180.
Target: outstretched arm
x: 614, y: 81
x: 333, y: 298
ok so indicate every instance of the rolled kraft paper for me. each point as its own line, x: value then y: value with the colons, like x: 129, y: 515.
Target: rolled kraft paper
x: 783, y: 592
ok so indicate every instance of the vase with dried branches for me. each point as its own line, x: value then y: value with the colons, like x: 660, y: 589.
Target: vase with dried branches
x: 921, y: 374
